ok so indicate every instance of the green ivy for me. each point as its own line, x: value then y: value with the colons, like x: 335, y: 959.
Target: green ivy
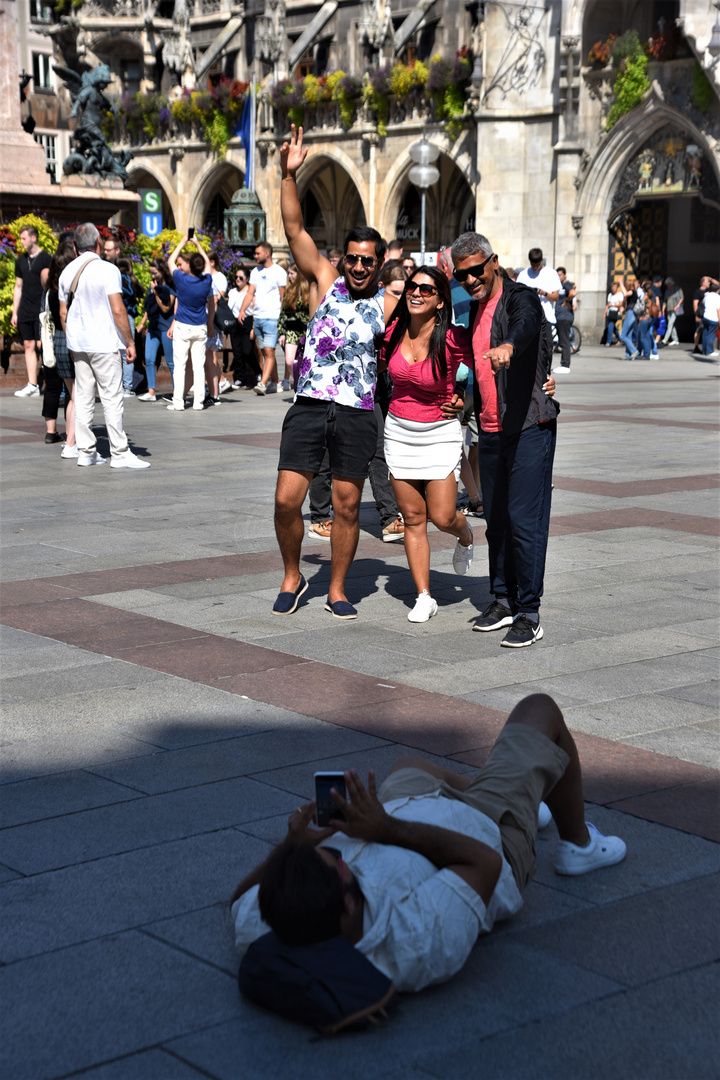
x: 630, y: 87
x: 702, y: 91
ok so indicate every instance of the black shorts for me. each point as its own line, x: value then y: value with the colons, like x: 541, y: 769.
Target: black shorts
x: 311, y: 426
x: 29, y: 329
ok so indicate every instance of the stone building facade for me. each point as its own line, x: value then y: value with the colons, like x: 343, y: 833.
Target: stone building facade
x: 529, y: 162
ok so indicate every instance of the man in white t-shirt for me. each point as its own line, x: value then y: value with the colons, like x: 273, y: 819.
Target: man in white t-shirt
x: 97, y: 329
x: 545, y: 281
x: 419, y: 870
x: 265, y: 293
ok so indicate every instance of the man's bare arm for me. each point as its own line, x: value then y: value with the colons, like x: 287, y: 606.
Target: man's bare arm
x: 17, y: 293
x: 63, y: 315
x: 122, y: 322
x: 313, y: 265
x: 476, y: 863
x: 211, y: 315
x: 247, y: 301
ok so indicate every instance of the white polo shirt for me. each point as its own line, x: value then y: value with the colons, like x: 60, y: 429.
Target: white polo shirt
x: 546, y: 279
x: 90, y: 324
x: 268, y: 280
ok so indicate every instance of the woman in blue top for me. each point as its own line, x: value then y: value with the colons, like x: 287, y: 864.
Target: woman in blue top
x: 158, y: 317
x: 193, y: 322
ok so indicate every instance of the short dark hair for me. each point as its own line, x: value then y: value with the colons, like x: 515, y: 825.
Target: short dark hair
x: 30, y: 230
x: 301, y: 896
x: 535, y: 255
x: 334, y: 253
x: 561, y: 270
x: 363, y: 234
x: 265, y: 244
x: 196, y: 263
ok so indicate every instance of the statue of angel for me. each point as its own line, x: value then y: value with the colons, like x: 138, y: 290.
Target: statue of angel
x: 91, y: 153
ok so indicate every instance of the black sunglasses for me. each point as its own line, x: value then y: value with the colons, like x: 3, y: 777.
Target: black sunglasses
x: 472, y: 271
x: 367, y: 260
x: 425, y: 289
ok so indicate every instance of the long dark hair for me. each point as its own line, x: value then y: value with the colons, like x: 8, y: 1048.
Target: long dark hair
x: 64, y: 255
x: 162, y: 267
x: 443, y: 320
x: 125, y: 267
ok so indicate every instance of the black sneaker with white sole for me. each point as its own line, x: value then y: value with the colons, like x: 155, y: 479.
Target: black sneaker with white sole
x: 494, y: 617
x: 522, y: 632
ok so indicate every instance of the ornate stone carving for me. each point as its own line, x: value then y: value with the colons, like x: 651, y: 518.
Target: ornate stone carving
x: 523, y: 58
x: 577, y: 223
x: 270, y: 31
x: 177, y: 51
x: 374, y: 22
x: 583, y: 164
x: 669, y: 162
x: 371, y: 138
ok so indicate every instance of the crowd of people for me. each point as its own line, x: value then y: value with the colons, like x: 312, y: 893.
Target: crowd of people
x: 647, y: 312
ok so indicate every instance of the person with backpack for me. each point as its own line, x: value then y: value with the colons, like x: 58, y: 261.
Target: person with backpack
x: 412, y: 872
x: 132, y: 292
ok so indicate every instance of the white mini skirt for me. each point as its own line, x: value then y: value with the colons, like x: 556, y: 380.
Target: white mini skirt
x: 416, y: 450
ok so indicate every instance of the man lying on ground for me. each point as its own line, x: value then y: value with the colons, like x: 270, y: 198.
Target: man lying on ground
x: 417, y: 871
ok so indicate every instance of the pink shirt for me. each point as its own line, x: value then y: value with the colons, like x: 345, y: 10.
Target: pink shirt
x: 416, y: 394
x: 489, y: 417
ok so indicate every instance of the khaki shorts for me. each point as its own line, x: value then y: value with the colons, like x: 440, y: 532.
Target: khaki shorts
x: 523, y: 768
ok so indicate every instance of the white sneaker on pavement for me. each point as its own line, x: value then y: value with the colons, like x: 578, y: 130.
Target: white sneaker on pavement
x: 147, y: 397
x: 260, y: 389
x: 30, y: 390
x: 128, y: 393
x: 128, y: 461
x: 224, y: 385
x: 90, y: 459
x: 572, y: 860
x: 463, y: 557
x: 69, y: 451
x: 561, y: 370
x: 425, y: 608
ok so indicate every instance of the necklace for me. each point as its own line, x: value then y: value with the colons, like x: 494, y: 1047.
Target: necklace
x: 424, y: 344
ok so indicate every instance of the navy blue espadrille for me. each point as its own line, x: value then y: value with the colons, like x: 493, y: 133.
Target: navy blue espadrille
x: 341, y: 609
x: 287, y: 602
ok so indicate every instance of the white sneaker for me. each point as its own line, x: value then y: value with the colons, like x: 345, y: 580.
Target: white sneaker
x: 544, y: 816
x: 236, y: 384
x: 572, y: 860
x: 425, y: 608
x: 224, y: 385
x: 128, y: 461
x: 147, y: 397
x: 260, y: 388
x: 128, y: 393
x: 31, y: 390
x: 177, y: 408
x: 90, y: 459
x: 69, y: 451
x: 462, y: 557
x: 561, y: 370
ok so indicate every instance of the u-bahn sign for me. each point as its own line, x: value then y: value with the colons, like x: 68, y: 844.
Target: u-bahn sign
x: 150, y: 211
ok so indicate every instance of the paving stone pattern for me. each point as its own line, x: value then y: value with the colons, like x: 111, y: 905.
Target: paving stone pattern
x: 159, y: 725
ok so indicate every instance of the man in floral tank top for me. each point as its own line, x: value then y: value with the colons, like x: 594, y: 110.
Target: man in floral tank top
x: 334, y: 403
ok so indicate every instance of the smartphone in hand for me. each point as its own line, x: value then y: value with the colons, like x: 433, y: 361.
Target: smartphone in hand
x: 191, y: 232
x: 326, y: 808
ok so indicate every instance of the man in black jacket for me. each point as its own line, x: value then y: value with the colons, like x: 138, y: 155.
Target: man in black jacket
x: 517, y: 427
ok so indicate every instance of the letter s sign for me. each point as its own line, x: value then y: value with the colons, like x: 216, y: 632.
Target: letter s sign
x: 150, y: 209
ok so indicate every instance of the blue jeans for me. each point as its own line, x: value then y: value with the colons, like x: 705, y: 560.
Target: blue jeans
x: 645, y: 328
x: 152, y: 347
x: 516, y: 479
x: 128, y: 369
x: 708, y: 336
x: 266, y: 332
x: 626, y: 333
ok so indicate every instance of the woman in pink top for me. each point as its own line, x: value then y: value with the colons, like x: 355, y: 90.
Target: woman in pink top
x: 422, y: 447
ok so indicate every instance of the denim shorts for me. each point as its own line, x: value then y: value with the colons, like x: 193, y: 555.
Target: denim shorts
x: 266, y: 332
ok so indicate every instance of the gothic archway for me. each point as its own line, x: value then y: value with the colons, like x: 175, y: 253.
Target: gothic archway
x: 214, y: 195
x: 331, y: 202
x: 450, y: 208
x: 142, y: 177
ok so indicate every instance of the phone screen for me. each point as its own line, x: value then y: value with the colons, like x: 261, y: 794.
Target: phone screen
x: 326, y: 808
x: 191, y: 232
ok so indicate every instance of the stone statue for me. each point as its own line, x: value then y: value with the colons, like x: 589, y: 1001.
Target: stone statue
x: 646, y: 168
x: 91, y: 154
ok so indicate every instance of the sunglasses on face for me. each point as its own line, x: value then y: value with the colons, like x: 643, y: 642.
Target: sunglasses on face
x: 472, y: 271
x: 421, y: 286
x: 366, y: 260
